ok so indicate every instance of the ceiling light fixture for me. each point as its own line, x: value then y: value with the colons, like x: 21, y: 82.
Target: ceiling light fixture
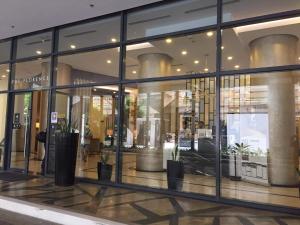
x: 72, y: 46
x: 196, y: 61
x: 237, y: 66
x: 184, y: 52
x: 178, y: 70
x: 229, y: 58
x: 138, y: 46
x: 210, y: 34
x: 169, y: 40
x: 113, y: 40
x: 108, y: 61
x: 7, y: 70
x: 222, y: 47
x: 39, y: 52
x: 3, y: 76
x: 206, y: 69
x: 134, y: 72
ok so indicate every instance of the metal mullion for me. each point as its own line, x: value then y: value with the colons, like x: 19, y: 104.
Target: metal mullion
x: 123, y: 32
x: 85, y: 85
x: 52, y: 81
x: 168, y: 78
x: 260, y: 70
x: 32, y: 58
x: 260, y: 19
x: 171, y: 34
x: 9, y: 108
x: 218, y: 96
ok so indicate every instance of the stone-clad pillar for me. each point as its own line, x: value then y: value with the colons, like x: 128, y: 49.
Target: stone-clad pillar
x: 274, y: 50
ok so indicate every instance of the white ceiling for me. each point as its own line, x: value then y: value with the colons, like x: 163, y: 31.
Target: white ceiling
x: 32, y: 15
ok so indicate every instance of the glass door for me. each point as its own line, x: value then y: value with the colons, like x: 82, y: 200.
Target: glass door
x: 21, y: 119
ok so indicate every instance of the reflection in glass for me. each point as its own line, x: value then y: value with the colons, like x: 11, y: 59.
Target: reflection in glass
x: 273, y: 43
x: 172, y: 56
x: 178, y: 16
x: 158, y: 117
x: 90, y: 34
x: 5, y: 50
x: 92, y: 113
x: 4, y: 77
x: 260, y: 138
x: 89, y: 67
x: 34, y: 45
x: 32, y: 74
x: 3, y: 103
x: 241, y: 9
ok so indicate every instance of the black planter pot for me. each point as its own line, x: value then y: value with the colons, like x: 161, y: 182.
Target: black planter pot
x: 104, y: 171
x: 66, y: 145
x: 175, y: 174
x: 225, y: 165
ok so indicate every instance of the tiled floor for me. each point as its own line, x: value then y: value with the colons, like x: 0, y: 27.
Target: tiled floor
x: 133, y: 207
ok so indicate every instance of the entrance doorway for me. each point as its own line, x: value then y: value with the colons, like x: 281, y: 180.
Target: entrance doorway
x: 29, y: 118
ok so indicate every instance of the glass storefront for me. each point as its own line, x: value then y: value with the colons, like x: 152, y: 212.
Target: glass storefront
x: 213, y: 97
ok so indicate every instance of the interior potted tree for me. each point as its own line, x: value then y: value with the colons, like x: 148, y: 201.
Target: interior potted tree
x: 175, y: 171
x: 104, y: 169
x: 66, y: 145
x: 88, y: 135
x: 239, y: 152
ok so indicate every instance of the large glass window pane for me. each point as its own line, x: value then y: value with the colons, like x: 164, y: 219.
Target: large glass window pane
x: 159, y: 116
x: 3, y: 100
x: 32, y: 74
x: 172, y: 56
x: 4, y: 50
x: 273, y: 43
x: 178, y: 16
x: 241, y: 9
x: 260, y: 137
x: 92, y: 112
x: 90, y: 34
x: 88, y: 67
x: 4, y: 77
x: 35, y: 45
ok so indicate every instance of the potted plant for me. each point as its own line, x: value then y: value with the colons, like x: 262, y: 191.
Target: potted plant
x: 88, y: 135
x: 104, y: 169
x: 239, y: 152
x: 66, y: 144
x: 175, y: 171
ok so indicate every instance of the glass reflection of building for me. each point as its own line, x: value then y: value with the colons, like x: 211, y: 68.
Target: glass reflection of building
x: 168, y: 81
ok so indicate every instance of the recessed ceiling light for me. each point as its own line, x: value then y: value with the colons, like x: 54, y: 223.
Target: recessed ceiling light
x: 206, y: 69
x: 39, y: 52
x: 236, y: 66
x: 210, y: 33
x: 3, y: 76
x: 169, y: 40
x: 184, y: 52
x: 299, y: 58
x: 72, y: 46
x: 196, y: 61
x: 108, y: 61
x: 134, y: 72
x: 222, y: 47
x: 114, y: 40
x: 94, y: 89
x: 229, y: 58
x: 7, y: 70
x: 178, y: 69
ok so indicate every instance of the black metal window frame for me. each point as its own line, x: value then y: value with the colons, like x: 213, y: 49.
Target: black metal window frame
x: 122, y: 81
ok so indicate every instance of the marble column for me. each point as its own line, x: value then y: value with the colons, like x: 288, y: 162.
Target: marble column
x: 275, y: 50
x: 154, y: 65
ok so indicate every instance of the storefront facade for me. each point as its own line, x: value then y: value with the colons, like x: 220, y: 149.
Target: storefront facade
x: 218, y: 79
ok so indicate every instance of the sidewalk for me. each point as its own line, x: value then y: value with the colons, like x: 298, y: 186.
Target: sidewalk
x: 134, y: 207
